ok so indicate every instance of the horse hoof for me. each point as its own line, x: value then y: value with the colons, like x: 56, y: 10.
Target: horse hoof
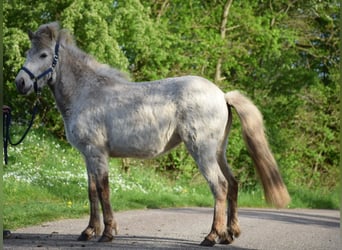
x: 106, y: 238
x: 6, y: 234
x: 207, y: 243
x: 84, y: 237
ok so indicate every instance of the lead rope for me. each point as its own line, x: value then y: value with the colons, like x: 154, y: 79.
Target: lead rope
x: 7, y: 111
x: 6, y: 128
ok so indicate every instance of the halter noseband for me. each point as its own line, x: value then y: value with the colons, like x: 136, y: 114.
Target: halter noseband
x: 48, y: 71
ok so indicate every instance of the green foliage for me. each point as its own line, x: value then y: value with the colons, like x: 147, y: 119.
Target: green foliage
x: 282, y: 54
x: 92, y: 22
x: 178, y: 163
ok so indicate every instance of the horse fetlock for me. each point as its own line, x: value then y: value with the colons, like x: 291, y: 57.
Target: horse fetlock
x: 234, y: 230
x: 228, y: 238
x: 232, y: 233
x: 107, y: 235
x: 226, y: 241
x: 97, y: 229
x: 115, y: 228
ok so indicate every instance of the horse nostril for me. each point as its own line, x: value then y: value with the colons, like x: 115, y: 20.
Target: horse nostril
x: 21, y: 83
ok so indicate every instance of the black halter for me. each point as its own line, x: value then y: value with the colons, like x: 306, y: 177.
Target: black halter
x: 48, y: 71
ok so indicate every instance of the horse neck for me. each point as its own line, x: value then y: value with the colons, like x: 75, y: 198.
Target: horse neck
x: 70, y: 71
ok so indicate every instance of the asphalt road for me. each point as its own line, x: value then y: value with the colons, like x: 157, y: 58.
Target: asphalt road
x: 185, y: 228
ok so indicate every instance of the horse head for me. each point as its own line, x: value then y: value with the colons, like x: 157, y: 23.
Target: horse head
x: 41, y: 60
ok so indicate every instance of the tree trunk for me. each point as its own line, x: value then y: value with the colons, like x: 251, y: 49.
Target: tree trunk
x: 223, y: 30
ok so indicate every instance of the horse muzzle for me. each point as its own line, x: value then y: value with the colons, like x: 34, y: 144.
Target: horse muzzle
x: 24, y: 86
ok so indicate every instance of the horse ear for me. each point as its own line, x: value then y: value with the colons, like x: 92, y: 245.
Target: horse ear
x: 50, y: 30
x: 64, y: 37
x: 30, y: 34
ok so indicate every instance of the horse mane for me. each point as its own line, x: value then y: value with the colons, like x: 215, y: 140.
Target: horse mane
x: 52, y: 31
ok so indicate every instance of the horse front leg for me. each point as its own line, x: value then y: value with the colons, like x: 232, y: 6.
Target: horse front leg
x: 108, y: 217
x: 98, y: 187
x: 94, y: 226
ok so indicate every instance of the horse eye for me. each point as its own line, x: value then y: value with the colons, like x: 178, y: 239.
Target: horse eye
x: 43, y: 55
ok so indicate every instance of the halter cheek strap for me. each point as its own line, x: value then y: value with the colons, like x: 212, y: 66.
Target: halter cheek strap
x: 44, y: 73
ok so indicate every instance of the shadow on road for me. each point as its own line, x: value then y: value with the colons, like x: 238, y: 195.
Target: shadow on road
x: 292, y: 217
x: 58, y: 241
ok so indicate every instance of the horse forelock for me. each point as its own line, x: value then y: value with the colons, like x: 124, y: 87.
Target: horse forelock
x: 45, y: 34
x: 40, y: 41
x: 48, y: 34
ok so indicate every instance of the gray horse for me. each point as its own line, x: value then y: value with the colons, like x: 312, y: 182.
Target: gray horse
x: 106, y: 115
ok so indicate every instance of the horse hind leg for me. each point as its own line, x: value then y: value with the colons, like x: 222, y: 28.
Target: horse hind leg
x: 233, y: 226
x: 218, y: 186
x: 207, y: 163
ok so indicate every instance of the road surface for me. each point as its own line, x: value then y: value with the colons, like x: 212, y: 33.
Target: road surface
x: 185, y: 228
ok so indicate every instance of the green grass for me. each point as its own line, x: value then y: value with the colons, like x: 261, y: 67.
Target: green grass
x: 46, y: 180
x: 26, y: 204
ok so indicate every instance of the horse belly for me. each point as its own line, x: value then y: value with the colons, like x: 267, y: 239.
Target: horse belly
x: 142, y: 146
x: 142, y: 150
x: 143, y: 140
